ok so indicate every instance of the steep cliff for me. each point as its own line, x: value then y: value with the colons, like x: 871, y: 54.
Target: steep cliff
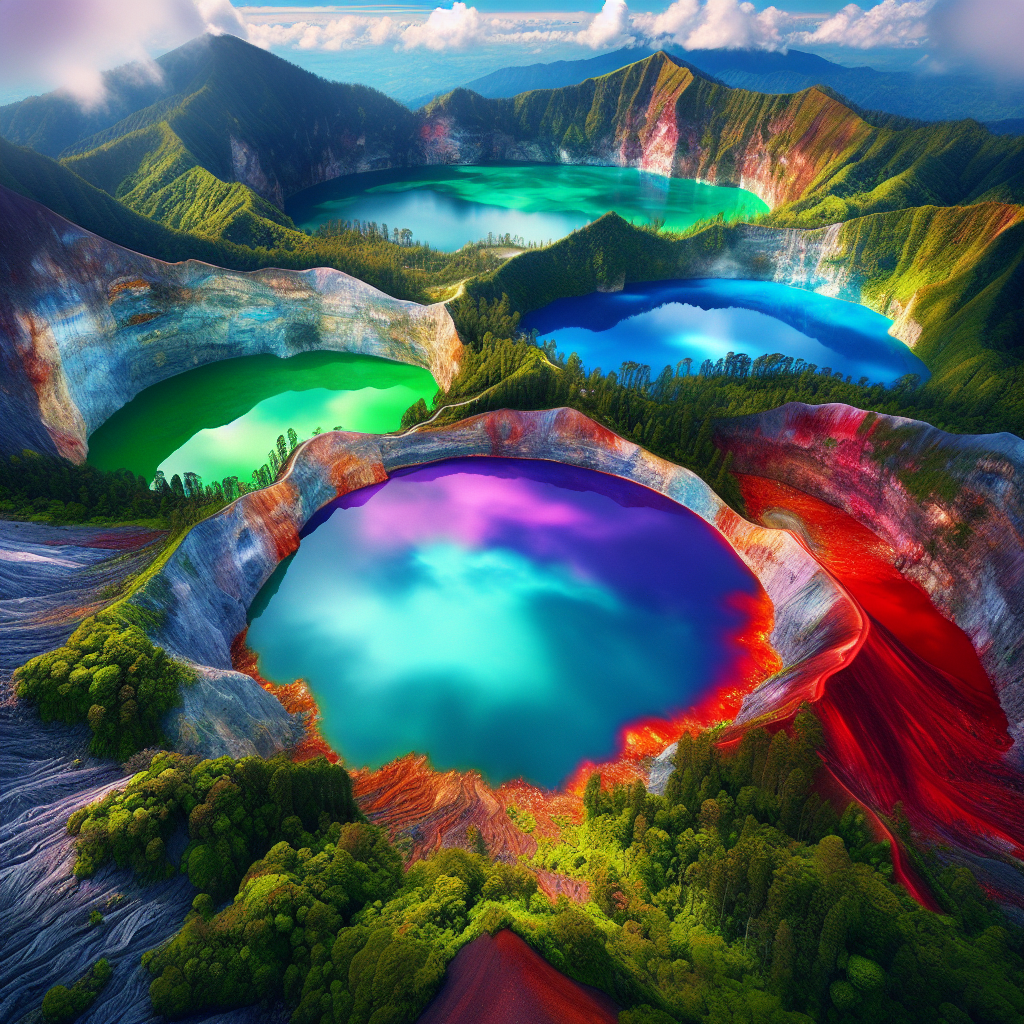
x: 951, y: 508
x: 85, y: 325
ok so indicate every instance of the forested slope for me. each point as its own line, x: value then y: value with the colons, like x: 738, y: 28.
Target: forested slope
x: 951, y: 277
x: 809, y: 149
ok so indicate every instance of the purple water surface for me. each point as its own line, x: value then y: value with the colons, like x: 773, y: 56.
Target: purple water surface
x: 504, y: 615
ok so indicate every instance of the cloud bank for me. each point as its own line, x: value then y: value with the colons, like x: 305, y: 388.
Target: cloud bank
x: 69, y: 43
x: 691, y: 24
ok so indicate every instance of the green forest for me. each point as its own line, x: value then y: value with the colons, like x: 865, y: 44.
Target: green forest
x: 738, y: 895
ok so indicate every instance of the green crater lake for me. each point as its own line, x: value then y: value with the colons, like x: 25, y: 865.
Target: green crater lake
x: 221, y: 419
x: 449, y: 206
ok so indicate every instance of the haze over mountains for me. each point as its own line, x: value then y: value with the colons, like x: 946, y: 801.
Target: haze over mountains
x: 928, y: 97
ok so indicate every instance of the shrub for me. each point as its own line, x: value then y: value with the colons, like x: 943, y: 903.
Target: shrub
x: 62, y: 1005
x: 110, y: 675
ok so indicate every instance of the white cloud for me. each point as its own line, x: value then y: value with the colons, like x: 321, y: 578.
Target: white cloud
x: 336, y: 34
x: 69, y: 43
x: 691, y: 24
x: 610, y: 27
x: 982, y: 34
x: 889, y: 23
x: 454, y: 28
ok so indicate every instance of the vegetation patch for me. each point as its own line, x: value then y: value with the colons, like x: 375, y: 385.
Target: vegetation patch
x: 111, y: 675
x: 739, y: 895
x: 62, y: 1005
x: 234, y: 812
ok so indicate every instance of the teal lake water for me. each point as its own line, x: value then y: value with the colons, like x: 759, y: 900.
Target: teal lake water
x: 505, y: 615
x: 449, y: 206
x: 663, y: 322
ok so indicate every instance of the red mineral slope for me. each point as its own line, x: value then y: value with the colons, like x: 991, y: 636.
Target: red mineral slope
x: 913, y: 718
x: 436, y: 809
x: 500, y: 980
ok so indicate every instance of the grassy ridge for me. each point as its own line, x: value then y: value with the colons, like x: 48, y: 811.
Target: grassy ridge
x: 61, y: 190
x: 246, y: 114
x: 961, y: 272
x: 826, y: 163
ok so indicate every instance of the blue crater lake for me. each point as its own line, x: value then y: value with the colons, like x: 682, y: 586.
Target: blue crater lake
x: 505, y: 615
x: 449, y: 206
x: 660, y: 323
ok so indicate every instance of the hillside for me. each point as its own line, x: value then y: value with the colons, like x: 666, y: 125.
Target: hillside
x: 220, y: 155
x: 47, y: 182
x: 219, y: 160
x: 927, y: 97
x: 807, y: 149
x: 951, y: 278
x: 407, y: 272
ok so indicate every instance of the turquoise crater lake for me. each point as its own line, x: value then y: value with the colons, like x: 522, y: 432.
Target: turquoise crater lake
x: 662, y: 322
x: 449, y: 206
x: 505, y: 615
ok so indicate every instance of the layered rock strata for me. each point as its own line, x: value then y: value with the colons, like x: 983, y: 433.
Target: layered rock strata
x: 53, y: 577
x: 951, y: 508
x: 85, y: 325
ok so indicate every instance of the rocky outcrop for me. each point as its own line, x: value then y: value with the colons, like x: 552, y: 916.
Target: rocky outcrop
x: 85, y: 325
x: 425, y: 810
x: 951, y: 507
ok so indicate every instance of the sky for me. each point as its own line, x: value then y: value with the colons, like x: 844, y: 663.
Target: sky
x: 410, y: 48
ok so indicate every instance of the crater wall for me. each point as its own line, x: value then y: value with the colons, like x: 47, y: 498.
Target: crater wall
x: 85, y: 325
x: 951, y: 507
x: 201, y: 596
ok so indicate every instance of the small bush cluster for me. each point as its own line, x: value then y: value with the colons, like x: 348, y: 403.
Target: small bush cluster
x: 110, y: 675
x: 62, y: 1005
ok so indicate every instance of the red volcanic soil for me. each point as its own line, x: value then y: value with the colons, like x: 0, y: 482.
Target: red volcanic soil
x: 913, y: 718
x: 501, y: 980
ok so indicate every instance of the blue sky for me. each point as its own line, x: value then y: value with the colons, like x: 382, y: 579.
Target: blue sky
x: 411, y: 48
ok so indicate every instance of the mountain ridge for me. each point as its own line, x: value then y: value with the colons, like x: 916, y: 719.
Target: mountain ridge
x: 908, y: 94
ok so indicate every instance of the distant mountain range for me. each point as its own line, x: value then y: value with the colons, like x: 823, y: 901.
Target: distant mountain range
x: 924, y: 97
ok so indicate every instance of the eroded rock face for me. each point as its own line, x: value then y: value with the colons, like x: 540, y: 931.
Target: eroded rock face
x: 200, y: 597
x: 85, y: 325
x: 950, y: 506
x: 53, y: 577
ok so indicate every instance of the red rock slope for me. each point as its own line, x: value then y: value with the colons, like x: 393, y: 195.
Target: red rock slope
x: 500, y: 980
